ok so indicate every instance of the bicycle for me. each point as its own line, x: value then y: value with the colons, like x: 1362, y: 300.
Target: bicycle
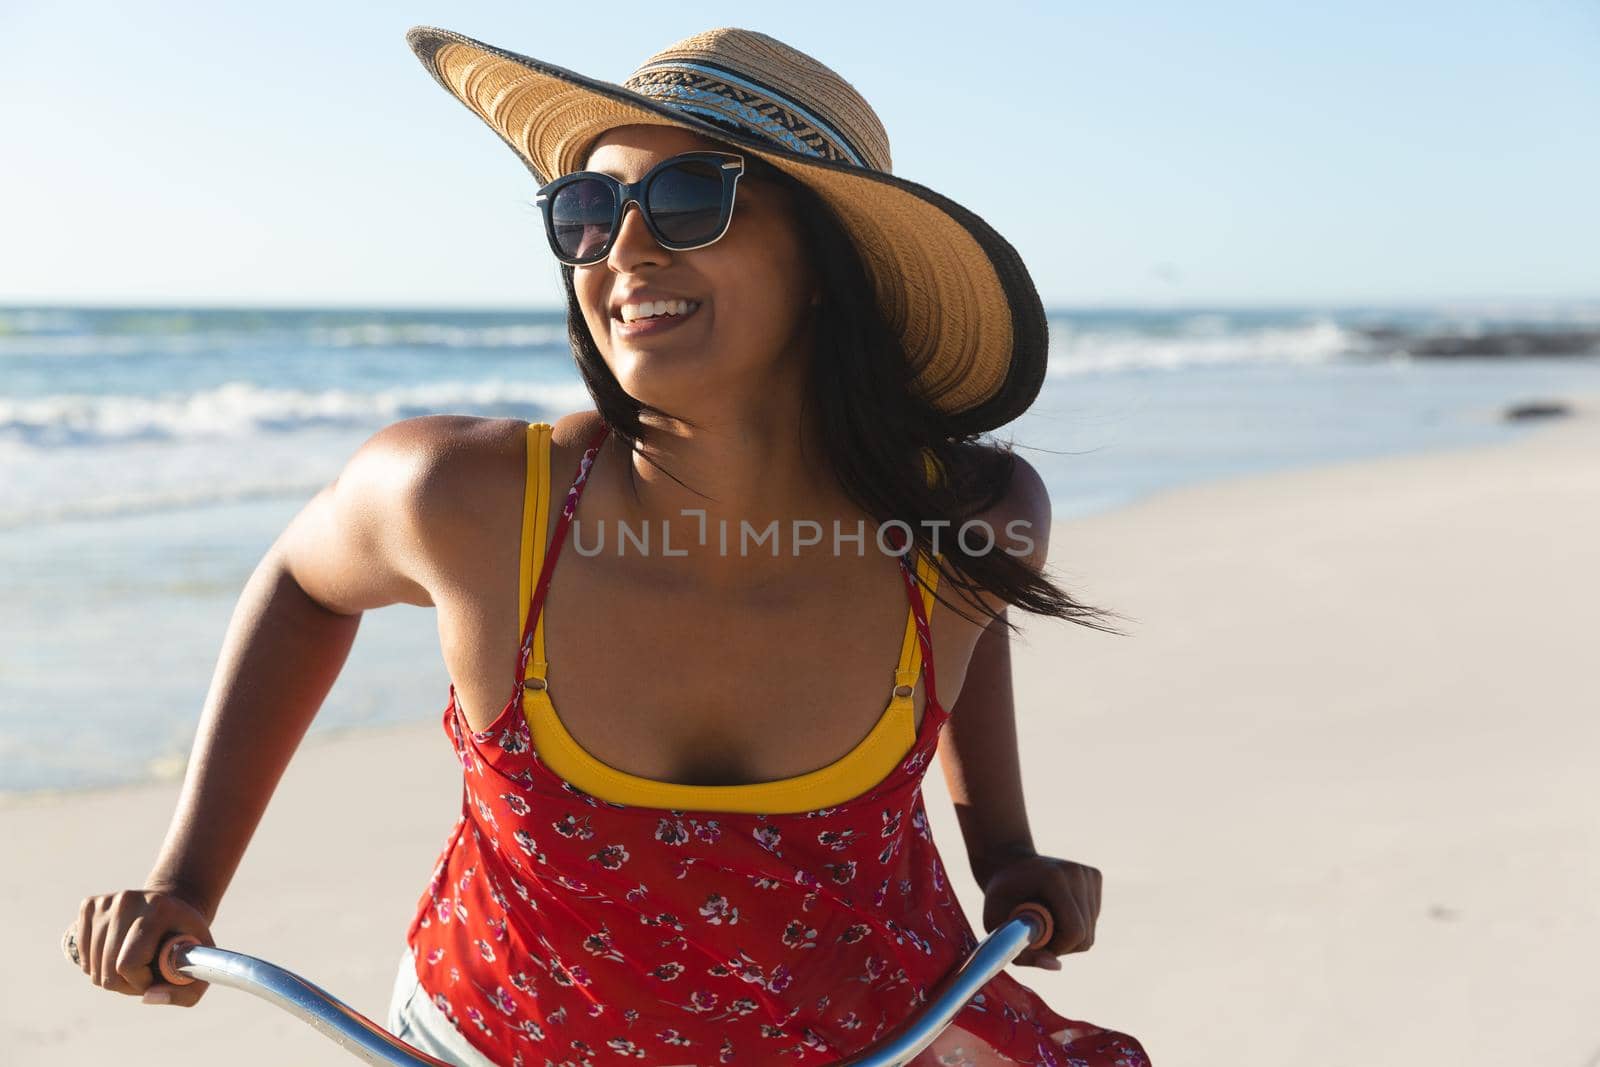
x: 182, y: 960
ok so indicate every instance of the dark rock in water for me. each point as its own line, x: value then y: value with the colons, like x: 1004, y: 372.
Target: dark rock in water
x: 1509, y: 343
x: 1538, y: 409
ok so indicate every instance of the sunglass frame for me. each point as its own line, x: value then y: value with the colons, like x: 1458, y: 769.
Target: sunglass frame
x: 730, y: 166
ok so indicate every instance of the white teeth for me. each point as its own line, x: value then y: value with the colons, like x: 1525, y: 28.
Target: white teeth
x: 652, y: 308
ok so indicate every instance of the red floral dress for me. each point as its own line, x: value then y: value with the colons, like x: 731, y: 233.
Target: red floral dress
x: 562, y: 929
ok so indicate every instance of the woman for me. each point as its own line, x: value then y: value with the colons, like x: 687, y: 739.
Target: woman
x: 786, y: 344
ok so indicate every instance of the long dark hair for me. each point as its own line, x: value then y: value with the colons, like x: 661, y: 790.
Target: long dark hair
x: 873, y: 423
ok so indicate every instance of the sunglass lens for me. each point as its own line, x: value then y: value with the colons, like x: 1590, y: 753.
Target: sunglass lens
x: 580, y: 217
x: 686, y: 202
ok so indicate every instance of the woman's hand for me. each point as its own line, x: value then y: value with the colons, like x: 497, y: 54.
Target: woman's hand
x: 117, y: 936
x: 1070, y: 890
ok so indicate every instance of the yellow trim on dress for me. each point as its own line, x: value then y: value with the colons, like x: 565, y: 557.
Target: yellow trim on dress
x: 853, y: 774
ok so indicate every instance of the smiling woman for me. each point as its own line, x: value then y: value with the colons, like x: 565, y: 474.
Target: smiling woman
x: 754, y: 289
x: 718, y: 851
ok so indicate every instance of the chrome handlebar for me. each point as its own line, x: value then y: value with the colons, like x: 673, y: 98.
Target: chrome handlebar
x: 183, y: 959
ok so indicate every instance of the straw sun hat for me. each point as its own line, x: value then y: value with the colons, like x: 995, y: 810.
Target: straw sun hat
x: 953, y: 289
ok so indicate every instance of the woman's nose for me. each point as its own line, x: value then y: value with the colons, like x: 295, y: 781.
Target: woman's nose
x: 634, y: 245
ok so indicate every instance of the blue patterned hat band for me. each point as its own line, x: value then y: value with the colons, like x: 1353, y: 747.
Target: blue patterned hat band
x: 719, y: 95
x: 769, y: 90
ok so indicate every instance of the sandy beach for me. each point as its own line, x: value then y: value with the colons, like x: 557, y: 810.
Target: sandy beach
x: 1339, y: 777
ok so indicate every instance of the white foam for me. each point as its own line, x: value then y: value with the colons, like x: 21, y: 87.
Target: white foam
x: 1203, y: 339
x: 36, y: 334
x: 232, y: 444
x: 241, y: 409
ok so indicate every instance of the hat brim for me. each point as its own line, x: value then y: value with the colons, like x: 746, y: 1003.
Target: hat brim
x: 953, y: 289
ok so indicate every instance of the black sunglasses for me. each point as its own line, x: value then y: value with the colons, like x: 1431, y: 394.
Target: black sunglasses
x: 686, y: 202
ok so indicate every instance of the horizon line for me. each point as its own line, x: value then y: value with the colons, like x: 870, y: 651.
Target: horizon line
x: 1198, y: 305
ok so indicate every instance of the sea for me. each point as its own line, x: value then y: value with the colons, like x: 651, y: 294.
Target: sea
x: 150, y: 456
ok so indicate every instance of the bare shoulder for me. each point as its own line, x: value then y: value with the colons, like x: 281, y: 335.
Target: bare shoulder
x: 447, y: 465
x: 1020, y: 518
x: 1021, y: 515
x: 405, y: 512
x: 569, y: 436
x: 575, y: 428
x: 1017, y: 522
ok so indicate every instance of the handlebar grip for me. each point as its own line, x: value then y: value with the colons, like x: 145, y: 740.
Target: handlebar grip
x: 1046, y: 921
x: 167, y: 959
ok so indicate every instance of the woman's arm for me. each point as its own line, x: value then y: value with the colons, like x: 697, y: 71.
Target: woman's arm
x: 982, y: 766
x: 280, y: 656
x: 357, y: 544
x: 980, y: 761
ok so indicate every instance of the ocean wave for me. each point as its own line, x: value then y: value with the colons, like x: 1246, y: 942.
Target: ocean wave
x: 1200, y: 340
x: 243, y: 409
x: 42, y: 335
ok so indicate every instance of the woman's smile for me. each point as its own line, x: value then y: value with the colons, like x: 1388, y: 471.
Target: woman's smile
x: 653, y: 321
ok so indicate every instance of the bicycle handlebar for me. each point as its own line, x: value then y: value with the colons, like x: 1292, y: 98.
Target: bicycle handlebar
x: 182, y: 960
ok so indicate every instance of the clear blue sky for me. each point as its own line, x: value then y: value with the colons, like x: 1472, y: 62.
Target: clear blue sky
x: 1156, y: 153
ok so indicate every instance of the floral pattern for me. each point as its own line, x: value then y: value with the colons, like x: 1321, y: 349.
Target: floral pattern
x: 563, y: 930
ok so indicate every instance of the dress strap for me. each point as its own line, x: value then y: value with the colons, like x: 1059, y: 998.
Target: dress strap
x: 532, y: 668
x: 913, y: 654
x: 535, y: 526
